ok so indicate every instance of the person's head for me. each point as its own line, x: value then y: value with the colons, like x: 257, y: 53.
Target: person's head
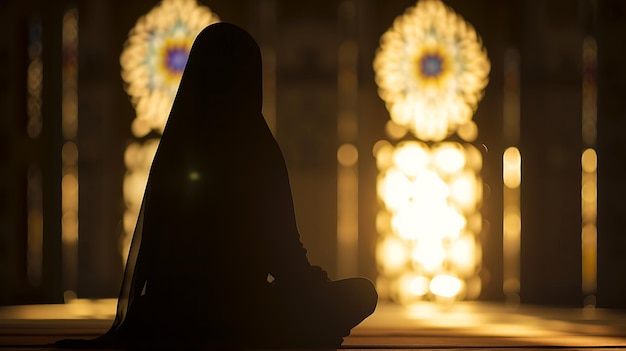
x: 224, y: 65
x: 219, y: 100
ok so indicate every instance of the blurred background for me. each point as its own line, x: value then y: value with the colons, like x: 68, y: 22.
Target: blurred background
x: 556, y: 90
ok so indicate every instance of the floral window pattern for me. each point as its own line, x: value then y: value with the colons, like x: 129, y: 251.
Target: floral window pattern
x: 431, y: 70
x: 154, y: 58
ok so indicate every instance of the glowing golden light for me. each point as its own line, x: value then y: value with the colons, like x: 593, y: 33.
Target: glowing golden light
x: 511, y: 222
x: 511, y: 178
x: 394, y: 130
x: 431, y: 197
x: 431, y: 69
x: 193, y: 176
x: 589, y: 161
x: 589, y: 167
x: 418, y: 286
x: 347, y: 155
x: 392, y: 254
x: 468, y: 131
x: 411, y: 285
x: 511, y: 168
x: 589, y: 212
x: 153, y: 61
x: 446, y: 286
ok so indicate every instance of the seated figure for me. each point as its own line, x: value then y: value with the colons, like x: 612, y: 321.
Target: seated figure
x: 217, y: 220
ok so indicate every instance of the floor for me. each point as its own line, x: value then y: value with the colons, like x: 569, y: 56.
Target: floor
x: 425, y: 326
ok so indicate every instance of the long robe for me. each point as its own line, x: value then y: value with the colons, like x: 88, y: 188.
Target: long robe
x: 217, y: 220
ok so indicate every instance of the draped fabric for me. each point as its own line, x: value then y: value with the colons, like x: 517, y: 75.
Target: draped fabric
x: 217, y: 219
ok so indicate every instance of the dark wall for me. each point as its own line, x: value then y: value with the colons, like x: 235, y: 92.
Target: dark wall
x: 611, y: 154
x: 551, y: 146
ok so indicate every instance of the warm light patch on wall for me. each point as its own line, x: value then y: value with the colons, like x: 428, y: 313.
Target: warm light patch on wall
x: 69, y: 153
x: 266, y: 36
x: 589, y: 203
x: 34, y: 179
x: 34, y: 79
x: 511, y: 223
x: 589, y: 175
x: 153, y: 61
x: 511, y: 179
x: 431, y: 70
x: 347, y: 135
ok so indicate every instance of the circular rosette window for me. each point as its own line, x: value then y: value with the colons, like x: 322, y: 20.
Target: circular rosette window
x: 431, y: 70
x: 154, y: 58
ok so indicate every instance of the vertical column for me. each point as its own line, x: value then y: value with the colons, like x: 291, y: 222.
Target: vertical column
x: 550, y: 145
x: 69, y: 152
x: 589, y: 174
x: 267, y: 41
x: 512, y: 177
x: 34, y: 191
x: 611, y: 23
x: 347, y: 152
x: 101, y: 111
x: 50, y: 150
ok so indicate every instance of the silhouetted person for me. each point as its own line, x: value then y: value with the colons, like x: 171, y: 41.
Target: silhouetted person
x: 217, y: 219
